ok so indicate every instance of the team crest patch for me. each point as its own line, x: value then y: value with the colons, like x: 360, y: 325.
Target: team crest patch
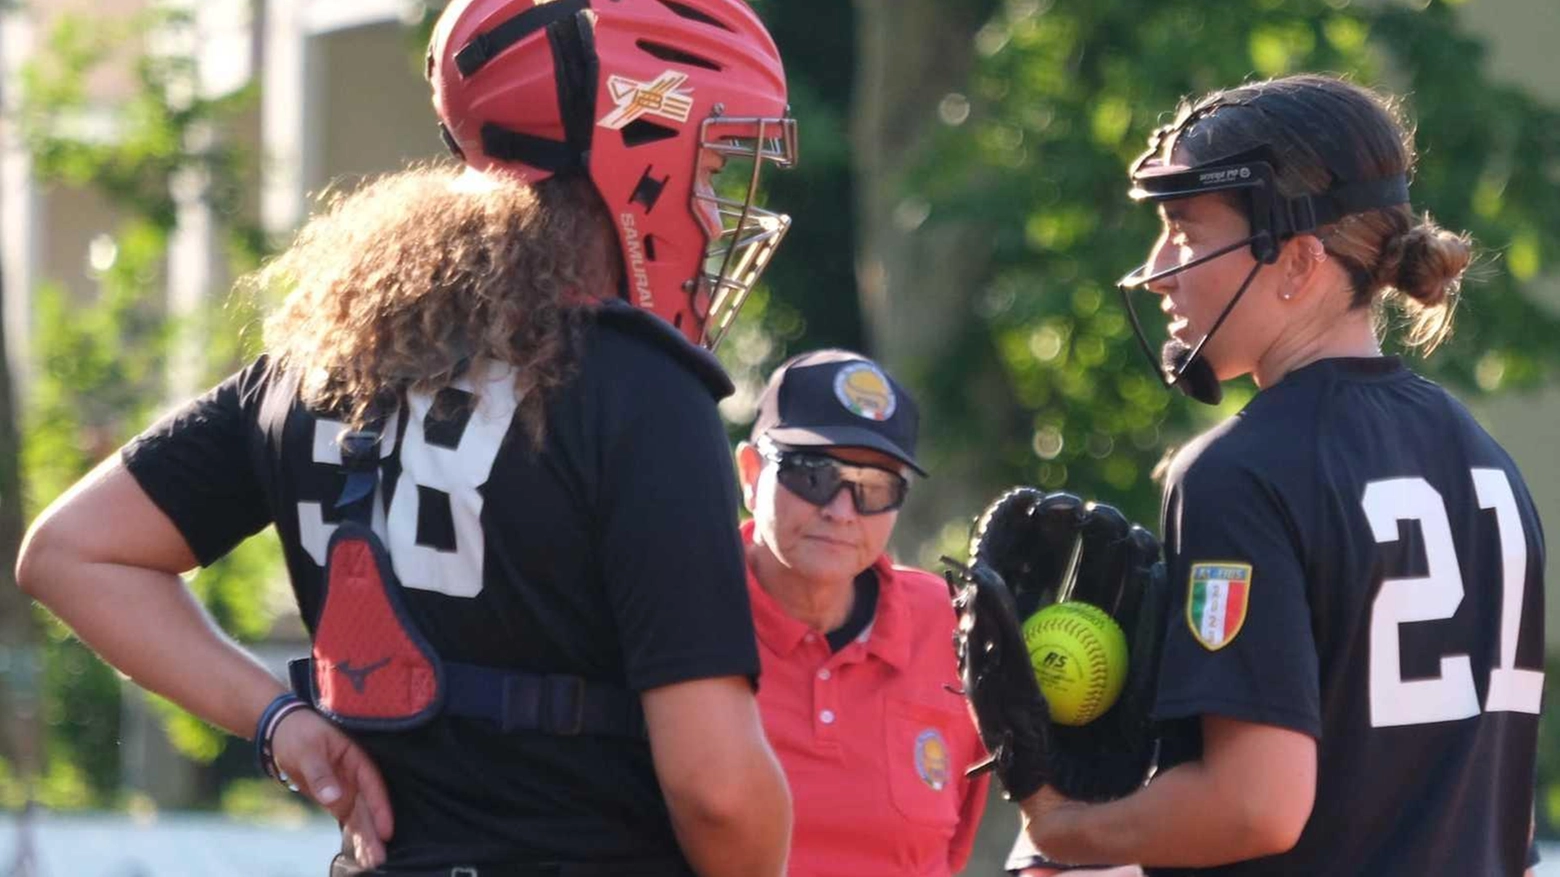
x: 865, y: 391
x: 1216, y: 602
x: 931, y: 758
x: 662, y: 98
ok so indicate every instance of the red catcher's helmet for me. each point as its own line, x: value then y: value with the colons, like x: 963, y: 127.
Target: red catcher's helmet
x: 649, y: 98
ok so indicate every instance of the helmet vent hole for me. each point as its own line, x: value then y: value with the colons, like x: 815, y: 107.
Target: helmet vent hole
x: 643, y: 131
x: 650, y: 248
x: 675, y: 55
x: 689, y: 12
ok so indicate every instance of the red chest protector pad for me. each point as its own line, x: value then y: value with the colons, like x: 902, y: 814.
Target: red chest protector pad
x: 372, y: 669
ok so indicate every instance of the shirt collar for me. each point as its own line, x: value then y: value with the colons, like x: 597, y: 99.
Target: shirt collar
x: 887, y: 637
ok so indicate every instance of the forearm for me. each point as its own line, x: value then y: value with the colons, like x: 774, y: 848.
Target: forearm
x: 147, y: 624
x: 749, y: 835
x: 1164, y: 824
x: 727, y: 796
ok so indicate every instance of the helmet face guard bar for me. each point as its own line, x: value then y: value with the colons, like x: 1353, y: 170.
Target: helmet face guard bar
x: 1272, y: 218
x: 749, y: 234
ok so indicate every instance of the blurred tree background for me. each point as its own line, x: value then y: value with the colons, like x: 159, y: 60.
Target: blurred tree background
x: 960, y: 215
x: 103, y: 366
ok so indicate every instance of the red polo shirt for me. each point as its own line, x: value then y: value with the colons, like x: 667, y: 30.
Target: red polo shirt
x: 873, y: 744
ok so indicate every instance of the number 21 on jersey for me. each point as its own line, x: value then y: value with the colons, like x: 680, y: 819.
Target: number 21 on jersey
x: 1396, y: 701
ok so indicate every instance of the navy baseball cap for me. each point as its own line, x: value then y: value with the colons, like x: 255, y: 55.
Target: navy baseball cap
x: 834, y: 399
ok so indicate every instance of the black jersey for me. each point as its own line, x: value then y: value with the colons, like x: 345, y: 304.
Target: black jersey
x: 1361, y: 562
x: 612, y: 553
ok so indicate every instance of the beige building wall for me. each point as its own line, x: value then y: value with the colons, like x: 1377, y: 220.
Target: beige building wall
x: 74, y: 218
x: 376, y: 110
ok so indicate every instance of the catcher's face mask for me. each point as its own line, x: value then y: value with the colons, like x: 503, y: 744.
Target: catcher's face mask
x: 1272, y: 220
x: 817, y: 478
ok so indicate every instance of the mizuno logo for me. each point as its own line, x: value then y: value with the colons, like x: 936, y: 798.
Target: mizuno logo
x: 358, y: 676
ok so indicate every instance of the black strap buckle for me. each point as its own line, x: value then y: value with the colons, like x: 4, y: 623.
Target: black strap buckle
x: 360, y: 449
x: 552, y: 704
x: 563, y: 705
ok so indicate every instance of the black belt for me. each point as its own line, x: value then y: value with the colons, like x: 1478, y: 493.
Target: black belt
x: 342, y: 867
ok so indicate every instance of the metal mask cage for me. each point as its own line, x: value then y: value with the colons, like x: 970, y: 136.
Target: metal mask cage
x: 749, y: 234
x: 1272, y: 219
x: 1250, y: 175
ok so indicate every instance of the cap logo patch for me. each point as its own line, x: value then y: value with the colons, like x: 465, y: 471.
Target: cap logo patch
x: 865, y: 391
x: 931, y: 759
x: 1216, y: 602
x: 661, y: 98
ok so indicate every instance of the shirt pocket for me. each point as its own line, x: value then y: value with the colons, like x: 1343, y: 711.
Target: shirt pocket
x: 921, y: 763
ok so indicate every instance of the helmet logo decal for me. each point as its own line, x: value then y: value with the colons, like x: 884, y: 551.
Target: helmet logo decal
x: 662, y: 98
x: 1221, y: 176
x: 635, y: 248
x: 864, y: 391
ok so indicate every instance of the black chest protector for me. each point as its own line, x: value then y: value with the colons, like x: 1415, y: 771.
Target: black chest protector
x: 371, y: 669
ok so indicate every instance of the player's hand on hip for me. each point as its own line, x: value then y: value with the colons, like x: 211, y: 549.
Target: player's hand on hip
x: 335, y: 772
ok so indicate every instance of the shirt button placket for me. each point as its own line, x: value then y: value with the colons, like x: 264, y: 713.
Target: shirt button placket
x: 824, y: 694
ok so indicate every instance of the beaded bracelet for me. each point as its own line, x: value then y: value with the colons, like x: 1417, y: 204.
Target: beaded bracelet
x: 280, y: 708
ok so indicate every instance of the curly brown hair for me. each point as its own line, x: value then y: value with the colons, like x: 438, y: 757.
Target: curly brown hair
x: 406, y: 281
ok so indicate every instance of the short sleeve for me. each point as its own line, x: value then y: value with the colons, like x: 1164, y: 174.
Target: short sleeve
x: 195, y: 465
x: 1239, y: 641
x: 671, y: 551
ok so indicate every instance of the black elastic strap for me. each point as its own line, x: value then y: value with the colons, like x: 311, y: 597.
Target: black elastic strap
x: 1310, y: 212
x: 503, y: 144
x: 1370, y: 195
x: 561, y: 705
x: 485, y: 46
x: 360, y: 458
x: 514, y: 700
x: 576, y: 69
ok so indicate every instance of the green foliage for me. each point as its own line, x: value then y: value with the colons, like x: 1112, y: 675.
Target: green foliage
x: 1061, y: 99
x: 263, y: 800
x: 1547, y: 805
x: 815, y: 269
x: 1489, y: 154
x: 102, y: 372
x: 1034, y: 152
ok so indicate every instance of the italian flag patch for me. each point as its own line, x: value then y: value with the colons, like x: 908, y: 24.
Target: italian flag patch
x: 1216, y: 602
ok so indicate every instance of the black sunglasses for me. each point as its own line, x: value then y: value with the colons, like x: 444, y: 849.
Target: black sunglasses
x: 817, y: 478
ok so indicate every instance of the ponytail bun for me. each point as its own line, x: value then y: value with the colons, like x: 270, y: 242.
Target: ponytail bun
x: 1425, y: 263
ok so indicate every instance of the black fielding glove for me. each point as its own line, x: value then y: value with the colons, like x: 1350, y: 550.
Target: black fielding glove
x: 1034, y: 549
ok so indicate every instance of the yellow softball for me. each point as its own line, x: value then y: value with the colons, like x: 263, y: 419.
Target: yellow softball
x: 1080, y: 659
